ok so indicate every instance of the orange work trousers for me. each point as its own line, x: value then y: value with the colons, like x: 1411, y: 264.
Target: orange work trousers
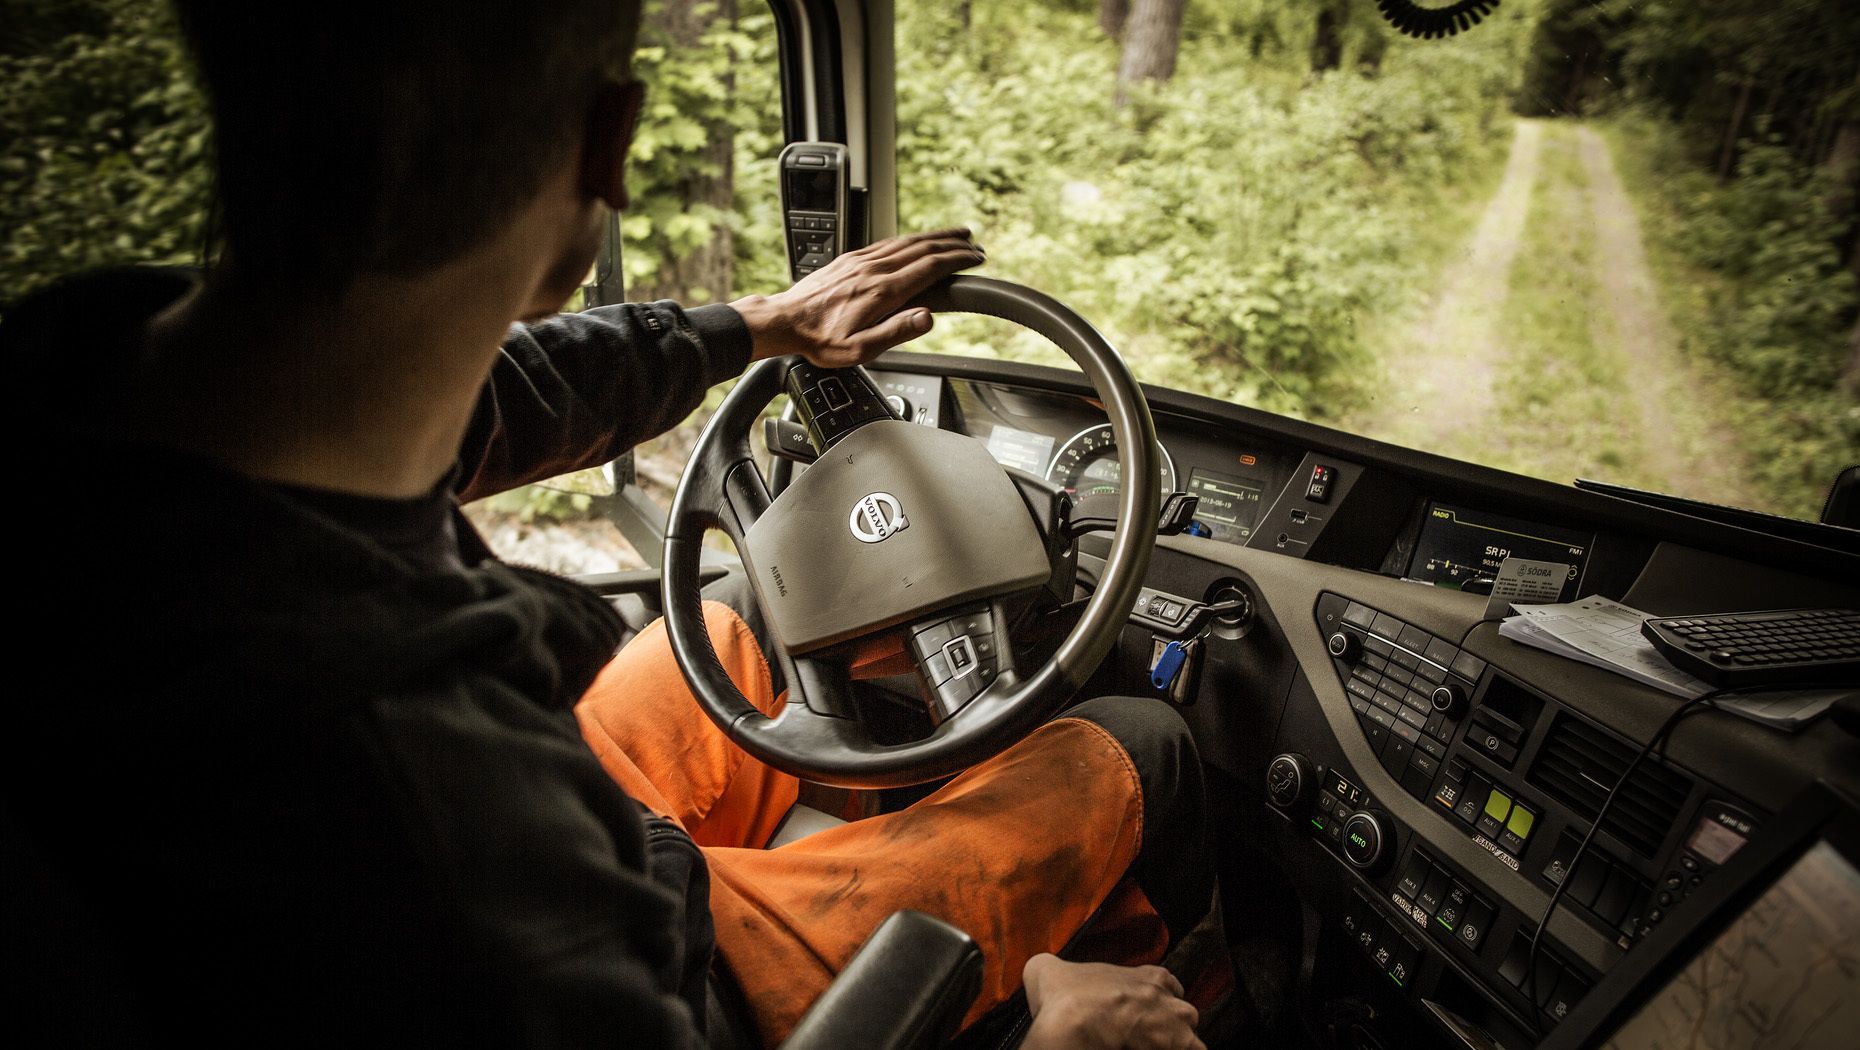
x: 1019, y: 851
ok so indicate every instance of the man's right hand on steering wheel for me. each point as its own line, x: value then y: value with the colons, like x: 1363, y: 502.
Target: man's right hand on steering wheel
x: 848, y: 312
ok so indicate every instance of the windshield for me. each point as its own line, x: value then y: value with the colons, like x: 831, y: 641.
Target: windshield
x: 1584, y: 238
x: 1608, y: 240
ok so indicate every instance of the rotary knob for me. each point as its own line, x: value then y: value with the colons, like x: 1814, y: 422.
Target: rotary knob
x: 1365, y: 840
x: 1449, y: 700
x: 1343, y: 645
x: 1287, y: 779
x: 899, y: 407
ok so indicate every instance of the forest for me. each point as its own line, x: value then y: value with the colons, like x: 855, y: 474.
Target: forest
x: 1276, y: 202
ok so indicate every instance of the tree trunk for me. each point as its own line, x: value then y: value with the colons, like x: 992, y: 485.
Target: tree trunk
x: 1843, y: 167
x: 1151, y: 36
x: 1112, y: 14
x: 1727, y: 158
x: 1327, y: 42
x: 1850, y: 375
x: 707, y: 274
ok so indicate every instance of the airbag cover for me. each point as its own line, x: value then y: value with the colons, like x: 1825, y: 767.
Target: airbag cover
x: 895, y: 521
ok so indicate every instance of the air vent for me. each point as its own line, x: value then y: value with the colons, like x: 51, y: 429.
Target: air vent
x: 1579, y: 763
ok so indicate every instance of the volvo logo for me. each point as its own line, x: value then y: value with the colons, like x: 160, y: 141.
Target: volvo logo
x: 877, y: 516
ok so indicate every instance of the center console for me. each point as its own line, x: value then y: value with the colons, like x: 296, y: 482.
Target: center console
x: 1521, y: 776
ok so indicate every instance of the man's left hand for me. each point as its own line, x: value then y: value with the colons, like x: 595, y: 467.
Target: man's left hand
x: 851, y: 310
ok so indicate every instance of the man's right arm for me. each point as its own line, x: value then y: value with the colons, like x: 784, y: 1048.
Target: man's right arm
x: 577, y: 390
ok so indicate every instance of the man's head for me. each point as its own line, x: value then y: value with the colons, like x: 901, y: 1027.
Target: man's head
x: 391, y: 137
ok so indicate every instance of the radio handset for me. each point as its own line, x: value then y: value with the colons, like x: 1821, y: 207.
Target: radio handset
x: 815, y: 195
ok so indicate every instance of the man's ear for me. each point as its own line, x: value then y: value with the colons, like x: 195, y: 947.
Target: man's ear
x: 611, y: 121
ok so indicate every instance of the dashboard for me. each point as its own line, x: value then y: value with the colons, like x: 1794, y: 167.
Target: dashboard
x: 1378, y: 753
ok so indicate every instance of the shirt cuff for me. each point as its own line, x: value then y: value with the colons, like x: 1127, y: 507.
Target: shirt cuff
x: 725, y: 338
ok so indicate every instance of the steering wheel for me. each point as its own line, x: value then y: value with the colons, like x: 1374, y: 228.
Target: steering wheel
x: 895, y: 525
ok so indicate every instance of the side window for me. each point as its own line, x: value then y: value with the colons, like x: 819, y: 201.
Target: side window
x: 703, y: 226
x: 103, y: 160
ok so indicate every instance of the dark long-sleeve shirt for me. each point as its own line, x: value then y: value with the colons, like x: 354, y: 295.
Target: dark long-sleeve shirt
x: 308, y: 789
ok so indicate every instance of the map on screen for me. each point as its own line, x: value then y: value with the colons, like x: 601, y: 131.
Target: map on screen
x: 1784, y: 974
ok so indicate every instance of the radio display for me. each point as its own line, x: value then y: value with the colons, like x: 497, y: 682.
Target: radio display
x: 1458, y: 545
x: 1229, y: 504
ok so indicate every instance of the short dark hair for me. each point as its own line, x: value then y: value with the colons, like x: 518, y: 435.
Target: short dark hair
x: 390, y: 136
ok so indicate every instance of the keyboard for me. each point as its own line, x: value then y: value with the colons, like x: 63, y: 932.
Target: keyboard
x: 1779, y: 647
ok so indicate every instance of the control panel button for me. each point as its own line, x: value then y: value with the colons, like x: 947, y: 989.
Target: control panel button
x: 1569, y: 991
x: 1586, y: 881
x: 1433, y: 891
x: 1418, y: 778
x: 1373, y: 731
x: 1452, y: 908
x: 1475, y: 923
x: 1364, y: 840
x: 1353, y: 912
x: 1404, y: 960
x: 1287, y: 779
x: 1441, y: 652
x: 1472, y: 799
x: 1616, y: 896
x: 1447, y: 794
x: 1318, y: 486
x: 1359, y: 614
x: 1493, y: 813
x: 1413, y: 875
x: 1468, y: 666
x: 1493, y: 746
x: 1518, y: 828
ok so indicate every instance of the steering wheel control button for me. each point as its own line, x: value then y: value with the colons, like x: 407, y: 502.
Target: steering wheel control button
x: 961, y: 656
x: 930, y: 638
x: 877, y: 517
x: 936, y: 668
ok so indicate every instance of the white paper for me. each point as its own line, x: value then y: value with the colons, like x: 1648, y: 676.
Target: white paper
x: 1605, y: 633
x: 1521, y: 581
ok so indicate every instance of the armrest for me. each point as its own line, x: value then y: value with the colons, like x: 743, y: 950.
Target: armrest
x: 907, y: 988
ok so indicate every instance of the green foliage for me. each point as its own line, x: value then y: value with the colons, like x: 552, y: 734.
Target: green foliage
x: 1240, y: 218
x: 1755, y: 284
x: 105, y: 145
x: 726, y: 83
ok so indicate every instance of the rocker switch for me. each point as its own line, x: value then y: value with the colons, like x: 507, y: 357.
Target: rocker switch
x: 1317, y: 490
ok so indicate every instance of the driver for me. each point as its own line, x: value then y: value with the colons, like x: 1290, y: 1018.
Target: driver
x: 365, y: 782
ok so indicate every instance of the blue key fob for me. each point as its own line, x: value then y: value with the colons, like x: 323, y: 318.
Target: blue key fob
x: 1168, y: 665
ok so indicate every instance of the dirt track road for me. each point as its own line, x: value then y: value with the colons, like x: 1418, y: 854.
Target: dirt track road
x: 1546, y: 348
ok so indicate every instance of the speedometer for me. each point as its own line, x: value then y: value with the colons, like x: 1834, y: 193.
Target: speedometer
x: 1086, y: 465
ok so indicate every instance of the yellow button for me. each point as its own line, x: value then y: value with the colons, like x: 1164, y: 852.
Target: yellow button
x: 1497, y: 804
x: 1521, y: 822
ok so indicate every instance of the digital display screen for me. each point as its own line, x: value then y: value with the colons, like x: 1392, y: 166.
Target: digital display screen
x: 812, y: 189
x: 1781, y: 975
x: 1229, y: 504
x: 1021, y: 449
x: 1458, y: 545
x: 1714, y: 841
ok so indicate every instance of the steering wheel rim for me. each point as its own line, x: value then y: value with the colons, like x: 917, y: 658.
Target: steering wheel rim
x: 817, y: 737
